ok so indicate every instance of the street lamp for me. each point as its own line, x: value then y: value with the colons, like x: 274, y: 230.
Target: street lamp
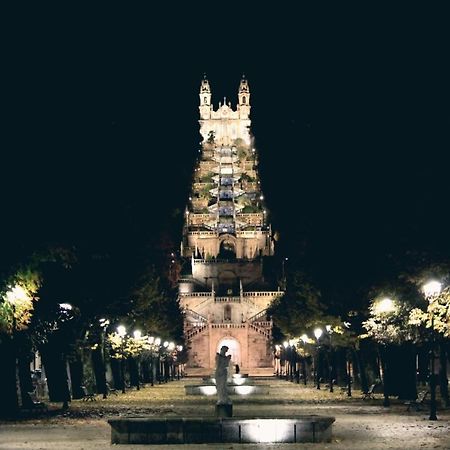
x: 137, y: 334
x: 285, y: 358
x: 179, y: 350
x: 318, y: 333
x: 122, y: 331
x: 431, y: 290
x: 348, y: 366
x: 304, y: 338
x: 295, y: 373
x: 384, y: 307
x: 283, y: 273
x: 103, y: 325
x: 152, y: 346
x: 66, y: 309
x: 329, y: 331
x: 158, y: 358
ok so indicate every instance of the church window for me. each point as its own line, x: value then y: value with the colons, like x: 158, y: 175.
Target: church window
x: 205, y: 100
x: 227, y: 313
x: 243, y: 100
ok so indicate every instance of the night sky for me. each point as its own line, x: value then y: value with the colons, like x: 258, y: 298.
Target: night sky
x: 350, y: 111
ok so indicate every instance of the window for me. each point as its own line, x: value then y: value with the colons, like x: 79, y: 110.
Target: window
x: 227, y: 313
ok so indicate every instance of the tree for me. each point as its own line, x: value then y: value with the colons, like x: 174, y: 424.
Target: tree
x: 18, y: 295
x: 155, y: 307
x: 388, y: 325
x: 300, y: 309
x: 434, y: 320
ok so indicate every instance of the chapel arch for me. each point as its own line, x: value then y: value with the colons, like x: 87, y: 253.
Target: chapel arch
x: 227, y: 247
x: 234, y: 348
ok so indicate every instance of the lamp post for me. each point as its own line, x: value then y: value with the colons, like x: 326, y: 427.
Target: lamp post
x: 432, y: 290
x: 179, y: 350
x: 104, y: 324
x: 158, y: 359
x: 304, y: 338
x: 283, y: 272
x: 137, y: 334
x: 277, y: 355
x: 286, y: 359
x: 66, y: 309
x: 318, y: 333
x: 329, y: 331
x: 165, y: 362
x: 171, y: 362
x: 151, y: 343
x: 14, y: 351
x: 384, y: 307
x: 349, y: 376
x: 295, y: 374
x: 121, y: 331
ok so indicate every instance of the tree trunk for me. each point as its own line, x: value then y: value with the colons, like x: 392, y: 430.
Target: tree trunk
x: 361, y: 370
x: 76, y: 375
x: 9, y: 402
x: 405, y: 371
x: 23, y: 354
x: 133, y: 367
x: 115, y: 370
x: 99, y: 371
x: 56, y: 372
x: 443, y: 380
x: 26, y: 385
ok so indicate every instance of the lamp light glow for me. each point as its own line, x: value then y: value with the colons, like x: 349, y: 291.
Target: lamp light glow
x: 432, y: 288
x: 318, y: 332
x: 137, y: 334
x: 385, y: 305
x: 304, y: 338
x: 66, y: 306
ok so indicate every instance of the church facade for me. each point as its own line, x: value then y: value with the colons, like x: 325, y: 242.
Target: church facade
x: 224, y: 294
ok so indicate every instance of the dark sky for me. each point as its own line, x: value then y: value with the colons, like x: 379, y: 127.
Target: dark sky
x: 350, y: 115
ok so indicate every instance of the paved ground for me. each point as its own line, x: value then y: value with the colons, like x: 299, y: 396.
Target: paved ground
x: 359, y: 425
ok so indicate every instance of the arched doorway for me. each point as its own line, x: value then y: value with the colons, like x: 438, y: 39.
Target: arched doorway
x: 234, y: 349
x: 227, y: 250
x: 227, y: 247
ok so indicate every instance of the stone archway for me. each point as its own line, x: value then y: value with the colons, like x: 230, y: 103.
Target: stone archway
x: 227, y: 246
x: 234, y: 349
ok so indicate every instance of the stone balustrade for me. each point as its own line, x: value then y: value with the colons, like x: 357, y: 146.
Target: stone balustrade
x: 227, y: 299
x: 196, y: 294
x: 263, y: 294
x: 263, y: 324
x: 228, y: 325
x: 203, y: 234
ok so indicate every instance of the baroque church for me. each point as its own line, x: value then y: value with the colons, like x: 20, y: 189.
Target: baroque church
x: 226, y: 236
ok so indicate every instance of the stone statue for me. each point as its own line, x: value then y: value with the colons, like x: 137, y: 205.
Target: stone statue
x: 222, y: 364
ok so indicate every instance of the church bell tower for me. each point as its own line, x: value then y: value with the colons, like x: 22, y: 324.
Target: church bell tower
x: 205, y: 99
x: 224, y: 293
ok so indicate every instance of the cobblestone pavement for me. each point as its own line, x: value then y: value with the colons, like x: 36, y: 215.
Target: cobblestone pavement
x: 359, y: 424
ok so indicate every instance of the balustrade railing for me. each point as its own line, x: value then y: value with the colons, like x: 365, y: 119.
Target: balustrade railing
x: 260, y: 330
x: 228, y: 325
x: 263, y: 294
x: 193, y: 331
x: 258, y: 315
x: 228, y: 299
x: 199, y: 317
x: 196, y: 294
